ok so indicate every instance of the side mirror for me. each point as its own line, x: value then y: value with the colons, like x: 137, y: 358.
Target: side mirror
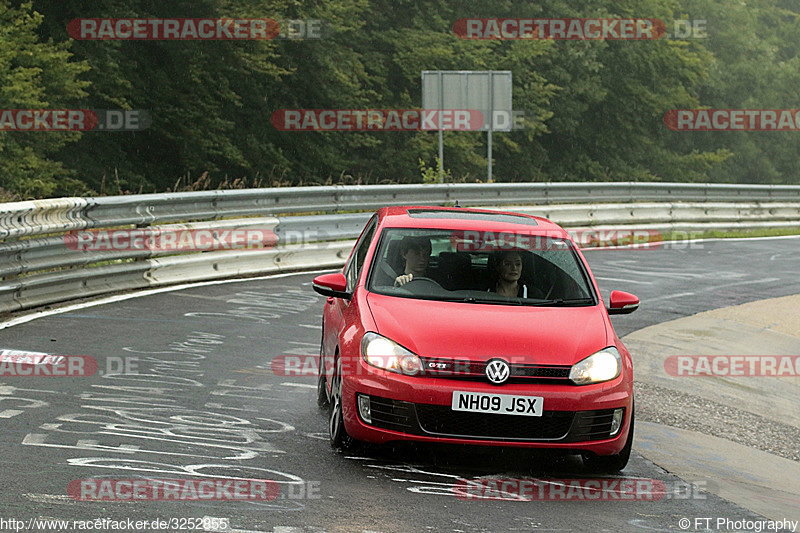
x: 334, y: 285
x: 622, y: 303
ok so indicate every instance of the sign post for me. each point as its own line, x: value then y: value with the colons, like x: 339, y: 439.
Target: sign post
x: 488, y: 91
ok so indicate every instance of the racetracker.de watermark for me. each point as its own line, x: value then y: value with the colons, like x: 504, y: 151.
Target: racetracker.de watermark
x: 579, y: 29
x: 206, y: 523
x: 603, y: 489
x: 733, y: 365
x: 489, y: 241
x: 209, y: 489
x: 378, y: 119
x: 560, y: 28
x: 173, y: 29
x: 46, y: 365
x: 299, y: 29
x: 733, y: 119
x: 396, y: 120
x: 74, y: 120
x: 170, y: 240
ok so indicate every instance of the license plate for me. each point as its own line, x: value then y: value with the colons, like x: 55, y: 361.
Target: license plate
x: 499, y: 404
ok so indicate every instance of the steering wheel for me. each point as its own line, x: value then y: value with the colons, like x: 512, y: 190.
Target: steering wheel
x: 428, y: 281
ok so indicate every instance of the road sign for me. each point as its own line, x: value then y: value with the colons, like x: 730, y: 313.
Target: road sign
x: 488, y: 91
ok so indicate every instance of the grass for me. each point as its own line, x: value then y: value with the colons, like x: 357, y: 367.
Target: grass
x: 733, y: 234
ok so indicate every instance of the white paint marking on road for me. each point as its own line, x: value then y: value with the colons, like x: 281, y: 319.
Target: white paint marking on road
x: 643, y: 524
x: 230, y: 394
x: 712, y: 288
x: 38, y: 439
x: 310, y: 326
x: 624, y: 280
x: 8, y: 413
x: 669, y: 296
x: 303, y: 385
x: 8, y: 389
x: 58, y: 499
x: 283, y: 427
x: 746, y: 282
x: 303, y: 352
x: 247, y: 408
x: 230, y: 384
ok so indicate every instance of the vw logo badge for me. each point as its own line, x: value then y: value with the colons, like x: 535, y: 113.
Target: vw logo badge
x: 497, y: 371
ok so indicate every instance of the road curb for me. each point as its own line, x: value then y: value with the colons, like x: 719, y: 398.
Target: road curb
x: 754, y: 479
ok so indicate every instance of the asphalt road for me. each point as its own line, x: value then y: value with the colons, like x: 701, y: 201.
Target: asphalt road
x: 205, y: 403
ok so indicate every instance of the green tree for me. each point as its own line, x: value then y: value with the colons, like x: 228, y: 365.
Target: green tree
x: 35, y: 74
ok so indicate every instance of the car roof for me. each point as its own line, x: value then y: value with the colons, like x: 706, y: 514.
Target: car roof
x: 466, y: 219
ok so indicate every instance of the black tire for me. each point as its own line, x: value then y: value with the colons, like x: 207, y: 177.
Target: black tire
x: 338, y: 434
x: 322, y: 392
x: 611, y: 464
x: 322, y: 389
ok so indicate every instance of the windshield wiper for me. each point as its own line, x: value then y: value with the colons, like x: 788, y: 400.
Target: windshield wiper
x: 478, y: 300
x: 565, y: 301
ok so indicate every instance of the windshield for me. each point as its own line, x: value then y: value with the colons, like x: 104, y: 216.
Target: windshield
x: 506, y: 268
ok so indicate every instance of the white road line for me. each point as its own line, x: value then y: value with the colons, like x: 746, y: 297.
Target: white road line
x: 303, y: 385
x: 8, y: 389
x: 745, y: 282
x: 247, y: 408
x: 59, y: 499
x: 8, y: 413
x: 669, y: 296
x: 624, y: 280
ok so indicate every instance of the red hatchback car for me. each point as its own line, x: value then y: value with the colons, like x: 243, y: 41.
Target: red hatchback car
x: 470, y: 326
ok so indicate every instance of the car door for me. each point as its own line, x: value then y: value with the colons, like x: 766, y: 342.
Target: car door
x: 341, y: 313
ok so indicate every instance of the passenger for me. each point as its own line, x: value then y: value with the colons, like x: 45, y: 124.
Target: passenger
x: 416, y: 253
x: 508, y: 266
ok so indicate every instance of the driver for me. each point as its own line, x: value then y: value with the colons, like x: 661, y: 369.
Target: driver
x: 416, y: 253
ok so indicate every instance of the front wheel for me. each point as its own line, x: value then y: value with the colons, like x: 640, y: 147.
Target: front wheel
x: 611, y: 464
x: 322, y: 393
x: 338, y: 434
x: 322, y: 385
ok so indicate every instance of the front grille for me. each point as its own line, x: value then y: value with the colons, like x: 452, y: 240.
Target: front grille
x: 441, y: 421
x: 473, y: 370
x: 552, y: 373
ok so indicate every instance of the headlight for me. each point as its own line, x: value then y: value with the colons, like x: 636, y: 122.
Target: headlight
x: 383, y: 353
x: 605, y: 365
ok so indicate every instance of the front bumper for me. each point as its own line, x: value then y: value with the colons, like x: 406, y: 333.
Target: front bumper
x: 408, y: 408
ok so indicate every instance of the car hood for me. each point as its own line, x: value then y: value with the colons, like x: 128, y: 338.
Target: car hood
x: 478, y: 332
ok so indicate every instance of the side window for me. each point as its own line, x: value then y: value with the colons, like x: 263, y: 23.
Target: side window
x: 357, y: 260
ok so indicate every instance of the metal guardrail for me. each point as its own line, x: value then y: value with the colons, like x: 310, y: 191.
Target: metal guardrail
x: 64, y: 214
x: 38, y: 268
